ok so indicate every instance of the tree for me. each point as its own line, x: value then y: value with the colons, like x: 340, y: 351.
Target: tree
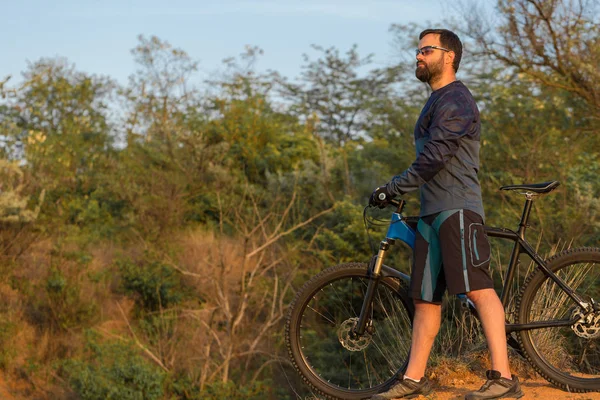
x: 540, y: 101
x: 159, y: 92
x: 529, y: 134
x: 245, y: 278
x: 260, y: 139
x: 58, y: 120
x: 57, y: 125
x: 555, y: 42
x: 336, y: 97
x: 339, y: 104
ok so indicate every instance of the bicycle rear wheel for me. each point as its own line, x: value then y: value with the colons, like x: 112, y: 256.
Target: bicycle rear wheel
x: 318, y: 328
x: 567, y: 356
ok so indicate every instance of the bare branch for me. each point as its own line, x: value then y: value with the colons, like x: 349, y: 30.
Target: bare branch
x: 139, y: 344
x: 298, y: 226
x: 286, y: 212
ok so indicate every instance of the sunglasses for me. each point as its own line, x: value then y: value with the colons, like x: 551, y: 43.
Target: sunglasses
x: 427, y: 50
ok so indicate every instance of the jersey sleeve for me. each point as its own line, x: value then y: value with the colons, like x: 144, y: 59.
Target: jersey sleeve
x: 449, y: 124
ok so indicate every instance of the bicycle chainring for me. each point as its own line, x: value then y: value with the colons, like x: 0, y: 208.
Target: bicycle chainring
x: 587, y: 327
x: 345, y: 338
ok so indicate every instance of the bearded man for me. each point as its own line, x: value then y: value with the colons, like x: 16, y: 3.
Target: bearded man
x: 452, y: 251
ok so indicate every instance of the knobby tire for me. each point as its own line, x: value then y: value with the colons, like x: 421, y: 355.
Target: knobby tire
x: 318, y: 313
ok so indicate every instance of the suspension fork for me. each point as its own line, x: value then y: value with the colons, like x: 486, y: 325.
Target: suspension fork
x: 374, y: 278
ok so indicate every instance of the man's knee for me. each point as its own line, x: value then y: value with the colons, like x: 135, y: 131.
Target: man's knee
x: 426, y: 304
x: 481, y: 295
x: 428, y: 311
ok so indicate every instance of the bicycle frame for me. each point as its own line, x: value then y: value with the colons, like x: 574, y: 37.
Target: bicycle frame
x: 400, y: 230
x: 522, y: 246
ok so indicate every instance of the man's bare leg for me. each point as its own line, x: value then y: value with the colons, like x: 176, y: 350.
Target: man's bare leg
x: 426, y: 326
x: 491, y: 313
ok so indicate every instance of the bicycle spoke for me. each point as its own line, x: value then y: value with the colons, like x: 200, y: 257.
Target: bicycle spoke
x: 322, y: 315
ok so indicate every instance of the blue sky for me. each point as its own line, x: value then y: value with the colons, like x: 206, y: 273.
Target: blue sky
x: 97, y: 36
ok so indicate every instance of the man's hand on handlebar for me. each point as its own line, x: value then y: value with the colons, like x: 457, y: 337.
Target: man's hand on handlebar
x: 380, y: 197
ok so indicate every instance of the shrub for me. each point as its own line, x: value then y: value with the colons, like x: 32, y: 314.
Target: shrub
x: 154, y: 285
x: 65, y: 307
x: 113, y: 370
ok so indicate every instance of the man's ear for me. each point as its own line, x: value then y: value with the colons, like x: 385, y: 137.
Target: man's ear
x: 450, y: 57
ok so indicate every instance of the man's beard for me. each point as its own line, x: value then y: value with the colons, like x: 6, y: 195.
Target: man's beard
x: 429, y: 73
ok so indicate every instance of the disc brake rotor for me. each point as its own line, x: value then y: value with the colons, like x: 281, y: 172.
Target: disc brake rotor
x: 587, y: 327
x: 347, y: 341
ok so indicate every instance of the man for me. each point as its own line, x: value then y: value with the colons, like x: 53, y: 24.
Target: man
x: 451, y: 249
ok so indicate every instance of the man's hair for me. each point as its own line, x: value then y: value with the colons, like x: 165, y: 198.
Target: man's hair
x: 449, y: 40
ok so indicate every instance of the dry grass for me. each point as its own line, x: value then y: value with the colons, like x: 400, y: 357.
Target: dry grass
x: 31, y: 335
x: 242, y: 303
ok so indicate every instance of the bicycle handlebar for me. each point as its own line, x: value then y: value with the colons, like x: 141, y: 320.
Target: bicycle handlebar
x: 399, y: 204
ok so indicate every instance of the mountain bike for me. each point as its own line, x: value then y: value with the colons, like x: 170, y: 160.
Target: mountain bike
x: 348, y: 330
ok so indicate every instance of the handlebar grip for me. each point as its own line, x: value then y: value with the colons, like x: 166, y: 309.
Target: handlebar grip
x: 399, y: 204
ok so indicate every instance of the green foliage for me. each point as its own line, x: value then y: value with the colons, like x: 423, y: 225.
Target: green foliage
x: 146, y: 191
x: 8, y: 330
x: 308, y: 184
x: 234, y: 391
x: 184, y: 388
x: 63, y: 113
x: 343, y: 237
x: 530, y: 135
x: 259, y: 139
x: 377, y: 162
x: 336, y: 98
x: 64, y: 305
x: 98, y: 218
x: 159, y: 327
x: 154, y: 285
x: 113, y: 370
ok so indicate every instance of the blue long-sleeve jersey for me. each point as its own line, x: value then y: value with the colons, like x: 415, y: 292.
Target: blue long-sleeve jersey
x: 447, y: 138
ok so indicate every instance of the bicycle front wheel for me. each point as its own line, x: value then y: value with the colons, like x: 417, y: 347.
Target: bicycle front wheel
x: 567, y: 356
x: 318, y: 333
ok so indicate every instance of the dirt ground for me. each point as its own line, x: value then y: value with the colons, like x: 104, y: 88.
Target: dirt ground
x: 455, y: 383
x: 533, y: 389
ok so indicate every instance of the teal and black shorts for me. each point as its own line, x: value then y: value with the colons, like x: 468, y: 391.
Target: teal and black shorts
x: 452, y: 252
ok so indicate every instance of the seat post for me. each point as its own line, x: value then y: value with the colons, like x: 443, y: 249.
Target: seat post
x: 514, y: 256
x: 525, y: 216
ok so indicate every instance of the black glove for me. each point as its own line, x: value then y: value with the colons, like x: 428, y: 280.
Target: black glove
x: 380, y: 197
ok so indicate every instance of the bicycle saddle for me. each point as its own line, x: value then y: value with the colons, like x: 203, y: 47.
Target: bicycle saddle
x: 540, y: 188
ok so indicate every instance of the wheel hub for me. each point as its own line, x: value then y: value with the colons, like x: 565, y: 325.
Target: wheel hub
x: 587, y: 326
x: 345, y: 336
